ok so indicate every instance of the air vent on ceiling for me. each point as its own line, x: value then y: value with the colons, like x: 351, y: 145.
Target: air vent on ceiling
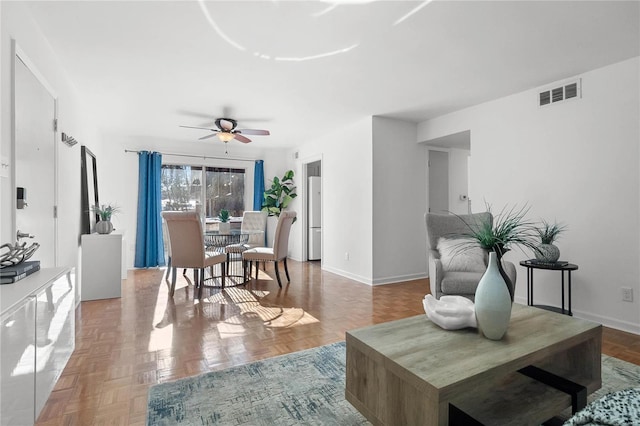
x: 568, y: 90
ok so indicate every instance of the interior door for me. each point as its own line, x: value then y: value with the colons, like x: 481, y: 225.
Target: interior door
x: 438, y: 182
x: 35, y: 112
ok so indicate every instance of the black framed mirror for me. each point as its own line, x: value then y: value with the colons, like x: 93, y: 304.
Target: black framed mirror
x: 89, y: 189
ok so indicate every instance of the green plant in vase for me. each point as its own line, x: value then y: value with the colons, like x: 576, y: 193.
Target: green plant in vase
x: 279, y: 196
x: 498, y: 234
x: 509, y: 228
x: 223, y: 217
x: 548, y: 233
x: 105, y: 212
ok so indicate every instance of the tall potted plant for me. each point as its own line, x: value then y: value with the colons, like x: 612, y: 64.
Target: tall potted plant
x: 279, y: 196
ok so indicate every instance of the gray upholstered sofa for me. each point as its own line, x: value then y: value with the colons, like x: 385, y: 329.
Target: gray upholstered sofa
x: 453, y: 270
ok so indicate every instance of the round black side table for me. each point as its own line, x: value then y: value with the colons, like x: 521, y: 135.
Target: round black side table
x: 559, y: 266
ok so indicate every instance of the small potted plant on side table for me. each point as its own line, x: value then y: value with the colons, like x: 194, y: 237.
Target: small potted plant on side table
x: 546, y: 251
x: 224, y: 227
x: 105, y: 211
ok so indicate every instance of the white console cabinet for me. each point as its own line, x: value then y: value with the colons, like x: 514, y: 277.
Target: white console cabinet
x: 37, y: 337
x: 101, y: 269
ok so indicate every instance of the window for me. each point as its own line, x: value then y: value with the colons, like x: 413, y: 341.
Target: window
x: 224, y: 190
x: 183, y: 189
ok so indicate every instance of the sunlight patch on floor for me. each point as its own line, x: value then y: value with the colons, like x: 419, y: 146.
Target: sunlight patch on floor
x: 161, y: 337
x: 254, y: 315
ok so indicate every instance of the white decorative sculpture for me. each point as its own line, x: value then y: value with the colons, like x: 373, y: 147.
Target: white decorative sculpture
x: 14, y: 254
x: 450, y: 312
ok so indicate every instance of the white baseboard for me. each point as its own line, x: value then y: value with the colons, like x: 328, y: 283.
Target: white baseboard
x: 399, y: 278
x: 609, y: 322
x: 377, y: 281
x: 349, y: 275
x: 606, y: 321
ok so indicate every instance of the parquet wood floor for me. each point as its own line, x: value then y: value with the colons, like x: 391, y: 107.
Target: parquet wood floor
x: 123, y: 346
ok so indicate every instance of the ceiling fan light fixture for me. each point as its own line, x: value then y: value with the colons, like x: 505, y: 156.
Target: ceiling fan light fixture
x: 225, y: 136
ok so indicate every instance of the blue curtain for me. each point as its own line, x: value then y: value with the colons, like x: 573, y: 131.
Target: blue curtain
x: 258, y: 189
x: 258, y: 185
x: 149, y: 243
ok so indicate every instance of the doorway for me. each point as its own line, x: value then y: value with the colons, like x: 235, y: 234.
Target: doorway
x: 449, y: 173
x: 438, y: 181
x: 35, y: 154
x: 312, y: 234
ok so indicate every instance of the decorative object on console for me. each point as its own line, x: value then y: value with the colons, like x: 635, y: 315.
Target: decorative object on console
x: 280, y: 195
x: 14, y: 273
x: 546, y: 251
x: 493, y: 302
x: 105, y: 211
x: 450, y: 312
x: 224, y: 226
x: 15, y: 254
x: 21, y: 268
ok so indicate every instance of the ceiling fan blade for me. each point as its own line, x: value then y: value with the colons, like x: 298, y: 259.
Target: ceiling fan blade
x: 241, y: 138
x: 254, y: 132
x: 203, y: 128
x: 208, y: 136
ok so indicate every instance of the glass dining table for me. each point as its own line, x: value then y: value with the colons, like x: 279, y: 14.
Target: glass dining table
x: 220, y: 242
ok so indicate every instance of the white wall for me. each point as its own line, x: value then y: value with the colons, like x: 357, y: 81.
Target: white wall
x: 347, y: 200
x: 576, y: 162
x: 399, y: 202
x: 17, y: 24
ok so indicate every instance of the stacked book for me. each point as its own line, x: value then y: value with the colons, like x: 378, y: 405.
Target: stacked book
x: 11, y: 274
x: 558, y: 263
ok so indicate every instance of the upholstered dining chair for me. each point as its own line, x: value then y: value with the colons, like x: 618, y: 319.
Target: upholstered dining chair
x: 453, y: 271
x: 251, y: 221
x: 272, y: 254
x: 167, y: 245
x: 186, y: 239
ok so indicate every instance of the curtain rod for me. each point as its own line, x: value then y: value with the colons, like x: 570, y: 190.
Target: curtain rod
x: 204, y: 157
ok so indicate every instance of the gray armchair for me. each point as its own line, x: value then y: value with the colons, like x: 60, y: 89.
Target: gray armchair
x: 462, y: 276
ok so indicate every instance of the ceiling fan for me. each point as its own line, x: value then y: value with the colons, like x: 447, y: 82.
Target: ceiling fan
x: 226, y: 131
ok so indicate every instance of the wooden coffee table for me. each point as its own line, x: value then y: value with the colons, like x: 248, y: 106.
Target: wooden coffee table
x: 412, y: 372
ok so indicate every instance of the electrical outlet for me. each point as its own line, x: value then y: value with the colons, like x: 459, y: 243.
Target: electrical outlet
x: 346, y: 255
x: 627, y: 294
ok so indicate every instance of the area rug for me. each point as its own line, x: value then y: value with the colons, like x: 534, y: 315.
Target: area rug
x: 302, y: 388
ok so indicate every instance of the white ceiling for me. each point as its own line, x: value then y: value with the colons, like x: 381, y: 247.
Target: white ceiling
x: 144, y: 68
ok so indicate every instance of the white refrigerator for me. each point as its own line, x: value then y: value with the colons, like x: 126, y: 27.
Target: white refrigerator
x: 314, y: 190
